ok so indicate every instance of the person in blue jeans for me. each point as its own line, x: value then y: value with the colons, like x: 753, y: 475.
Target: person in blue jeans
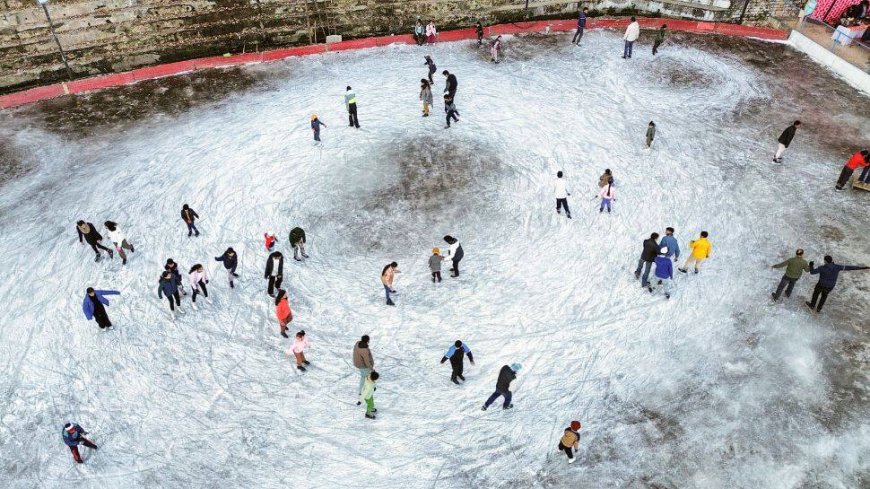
x: 647, y: 258
x: 502, y: 386
x: 387, y: 276
x: 581, y: 24
x: 670, y: 242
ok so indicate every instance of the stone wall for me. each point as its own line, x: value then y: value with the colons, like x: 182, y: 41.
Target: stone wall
x: 103, y: 36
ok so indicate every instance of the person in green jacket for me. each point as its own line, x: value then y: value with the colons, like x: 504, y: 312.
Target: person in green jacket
x: 794, y: 268
x: 368, y: 395
x: 650, y: 133
x: 660, y: 38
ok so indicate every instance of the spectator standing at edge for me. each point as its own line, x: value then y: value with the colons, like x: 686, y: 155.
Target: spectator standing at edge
x: 631, y: 35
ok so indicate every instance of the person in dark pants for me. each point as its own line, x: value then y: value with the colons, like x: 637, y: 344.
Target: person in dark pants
x: 431, y: 65
x: 454, y: 253
x: 561, y: 191
x: 452, y: 84
x: 435, y: 265
x: 73, y: 436
x: 94, y: 304
x: 456, y: 354
x: 189, y: 216
x: 315, y: 127
x: 198, y: 279
x: 350, y: 103
x: 88, y: 232
x: 450, y: 109
x: 784, y: 140
x: 660, y: 38
x: 650, y: 133
x: 479, y: 30
x: 502, y: 386
x: 274, y: 272
x: 168, y: 286
x: 794, y: 268
x: 171, y: 266
x: 647, y: 258
x: 570, y: 440
x: 230, y: 260
x: 858, y: 160
x: 828, y: 274
x: 581, y: 24
x: 297, y: 241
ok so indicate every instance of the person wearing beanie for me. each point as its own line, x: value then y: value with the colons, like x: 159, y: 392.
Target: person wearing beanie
x: 435, y: 265
x: 506, y: 375
x: 73, y: 436
x: 198, y: 278
x: 270, y: 241
x: 171, y: 266
x: 94, y: 304
x: 283, y: 312
x: 660, y: 38
x: 88, y: 233
x: 297, y: 241
x: 784, y: 141
x: 274, y: 272
x: 300, y: 344
x: 455, y: 253
x: 119, y: 240
x: 858, y: 160
x: 168, y: 286
x: 561, y: 190
x: 315, y: 127
x: 230, y: 260
x: 570, y: 440
x: 828, y: 274
x: 794, y: 269
x: 367, y: 394
x: 350, y: 104
x: 189, y: 216
x: 607, y: 195
x: 647, y: 258
x: 701, y: 249
x: 664, y: 273
x: 388, y: 274
x: 456, y: 354
x: 363, y: 360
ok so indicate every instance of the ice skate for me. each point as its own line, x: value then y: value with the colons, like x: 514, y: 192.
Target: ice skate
x: 454, y: 381
x: 97, y: 258
x: 390, y: 302
x: 284, y: 334
x: 300, y: 367
x: 509, y: 406
x: 571, y: 460
x: 370, y: 416
x: 304, y: 255
x: 568, y: 214
x: 683, y: 270
x: 483, y: 408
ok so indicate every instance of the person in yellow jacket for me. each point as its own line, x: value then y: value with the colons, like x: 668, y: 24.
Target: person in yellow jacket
x: 570, y: 440
x: 368, y: 395
x: 701, y: 248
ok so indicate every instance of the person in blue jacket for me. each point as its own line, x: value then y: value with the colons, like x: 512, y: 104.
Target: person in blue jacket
x: 828, y: 274
x: 73, y: 436
x: 230, y: 260
x: 581, y: 24
x: 168, y: 286
x: 94, y: 306
x: 664, y: 272
x: 456, y: 354
x: 670, y: 242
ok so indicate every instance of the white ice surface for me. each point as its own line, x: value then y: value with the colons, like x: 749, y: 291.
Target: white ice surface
x: 716, y: 388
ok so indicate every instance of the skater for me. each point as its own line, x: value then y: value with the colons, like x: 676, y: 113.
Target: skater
x: 431, y: 64
x: 664, y: 273
x: 315, y: 127
x: 94, y: 304
x: 73, y: 436
x: 631, y: 35
x: 581, y: 24
x: 794, y: 268
x: 283, y: 312
x: 274, y: 272
x: 456, y: 354
x: 431, y: 32
x: 562, y: 194
x: 363, y: 361
x: 784, y: 140
x: 270, y: 240
x: 454, y: 253
x: 300, y: 344
x: 168, y: 286
x: 189, y: 216
x: 493, y: 50
x: 670, y: 242
x: 608, y: 195
x: 452, y: 84
x: 605, y: 179
x: 650, y: 134
x: 230, y: 260
x: 828, y: 274
x: 570, y: 440
x: 435, y: 265
x: 368, y: 395
x: 171, y: 266
x: 502, y: 386
x: 88, y: 233
x: 700, y: 251
x: 660, y: 38
x: 478, y: 28
x: 647, y: 258
x: 425, y: 95
x: 419, y: 33
x: 198, y: 278
x: 350, y: 104
x: 388, y: 274
x: 450, y: 109
x: 119, y: 240
x: 297, y: 241
x: 858, y: 160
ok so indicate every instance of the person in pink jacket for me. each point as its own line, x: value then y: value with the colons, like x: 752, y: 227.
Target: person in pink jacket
x: 198, y: 278
x: 608, y: 195
x: 300, y: 344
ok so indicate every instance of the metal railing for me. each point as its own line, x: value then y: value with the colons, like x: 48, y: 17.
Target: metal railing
x: 845, y: 42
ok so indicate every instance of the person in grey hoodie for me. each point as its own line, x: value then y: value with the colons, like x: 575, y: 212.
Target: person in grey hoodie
x: 350, y: 103
x: 435, y: 264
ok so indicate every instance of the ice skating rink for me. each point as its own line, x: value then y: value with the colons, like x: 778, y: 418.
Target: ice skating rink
x: 716, y: 388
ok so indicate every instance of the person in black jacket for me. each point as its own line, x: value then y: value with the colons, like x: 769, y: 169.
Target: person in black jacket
x: 230, y: 260
x: 455, y: 354
x: 274, y: 271
x: 784, y: 140
x: 431, y: 65
x: 502, y: 386
x: 88, y: 232
x: 455, y: 253
x: 171, y: 266
x: 647, y: 258
x: 168, y: 286
x: 478, y: 28
x: 297, y: 241
x: 828, y: 274
x: 189, y: 216
x: 452, y: 84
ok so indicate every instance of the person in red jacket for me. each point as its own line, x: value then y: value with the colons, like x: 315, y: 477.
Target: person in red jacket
x: 270, y: 241
x: 282, y: 310
x: 858, y: 160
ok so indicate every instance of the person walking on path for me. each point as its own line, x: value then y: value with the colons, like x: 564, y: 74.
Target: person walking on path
x: 455, y: 253
x: 452, y: 84
x: 119, y: 240
x: 581, y: 24
x: 172, y: 267
x: 478, y: 28
x: 570, y: 440
x: 631, y: 35
x: 168, y: 286
x: 198, y: 278
x: 561, y: 191
x: 269, y: 241
x: 431, y: 32
x: 494, y: 49
x: 450, y: 109
x: 650, y: 134
x: 794, y: 268
x: 456, y: 355
x: 858, y: 160
x: 189, y: 216
x: 664, y: 273
x: 605, y: 179
x: 94, y: 304
x: 315, y: 127
x: 368, y: 394
x: 283, y: 312
x: 647, y: 258
x: 608, y: 195
x: 300, y: 344
x: 274, y: 272
x: 670, y: 242
x: 660, y: 38
x: 230, y: 260
x: 363, y: 361
x: 425, y: 96
x: 828, y: 274
x: 419, y: 33
x: 784, y: 141
x: 431, y: 64
x: 388, y: 274
x: 88, y: 233
x: 350, y: 104
x: 701, y: 249
x: 502, y: 386
x: 73, y: 436
x: 297, y: 241
x: 435, y: 265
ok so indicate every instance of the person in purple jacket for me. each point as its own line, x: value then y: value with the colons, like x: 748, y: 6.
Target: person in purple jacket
x: 664, y: 273
x: 94, y: 306
x: 73, y: 436
x: 828, y: 274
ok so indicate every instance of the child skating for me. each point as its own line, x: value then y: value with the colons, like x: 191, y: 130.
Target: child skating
x: 435, y: 265
x: 315, y: 127
x: 450, y: 109
x: 368, y: 394
x: 300, y: 344
x: 570, y: 440
x: 607, y: 195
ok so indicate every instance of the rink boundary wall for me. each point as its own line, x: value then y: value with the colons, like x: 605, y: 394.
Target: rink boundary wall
x: 170, y: 69
x: 821, y: 55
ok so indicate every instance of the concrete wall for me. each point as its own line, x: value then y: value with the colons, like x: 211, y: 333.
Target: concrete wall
x: 845, y: 70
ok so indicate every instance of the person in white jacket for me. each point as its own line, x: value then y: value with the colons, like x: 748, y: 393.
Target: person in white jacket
x: 455, y: 253
x: 631, y: 35
x: 198, y: 278
x: 608, y: 195
x: 562, y: 194
x: 119, y: 239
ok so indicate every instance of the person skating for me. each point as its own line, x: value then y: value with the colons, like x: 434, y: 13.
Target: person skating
x: 189, y: 216
x: 660, y: 38
x: 561, y: 191
x: 581, y: 25
x: 478, y: 29
x: 300, y: 344
x: 368, y: 394
x: 493, y: 50
x: 455, y: 253
x: 452, y: 84
x: 670, y: 242
x: 119, y: 240
x: 88, y: 233
x: 607, y: 195
x: 388, y: 274
x: 570, y: 440
x: 269, y: 241
x: 701, y: 249
x: 94, y: 304
x: 650, y: 133
x: 605, y: 179
x: 784, y: 140
x: 502, y: 386
x: 315, y: 127
x: 794, y: 268
x: 647, y: 258
x: 230, y: 260
x: 431, y: 65
x: 456, y: 355
x: 350, y: 104
x: 664, y: 273
x: 73, y: 436
x: 283, y: 312
x: 297, y: 241
x: 435, y: 265
x: 198, y: 279
x: 171, y: 266
x: 425, y: 96
x: 274, y: 272
x: 631, y: 35
x: 168, y: 286
x: 363, y: 361
x: 419, y: 33
x: 450, y: 109
x: 828, y: 274
x: 858, y: 160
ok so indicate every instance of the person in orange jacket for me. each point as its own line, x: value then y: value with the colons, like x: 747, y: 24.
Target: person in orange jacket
x: 858, y: 160
x: 270, y: 241
x: 283, y: 312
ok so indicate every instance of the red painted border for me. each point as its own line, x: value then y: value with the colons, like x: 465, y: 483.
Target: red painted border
x: 169, y: 69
